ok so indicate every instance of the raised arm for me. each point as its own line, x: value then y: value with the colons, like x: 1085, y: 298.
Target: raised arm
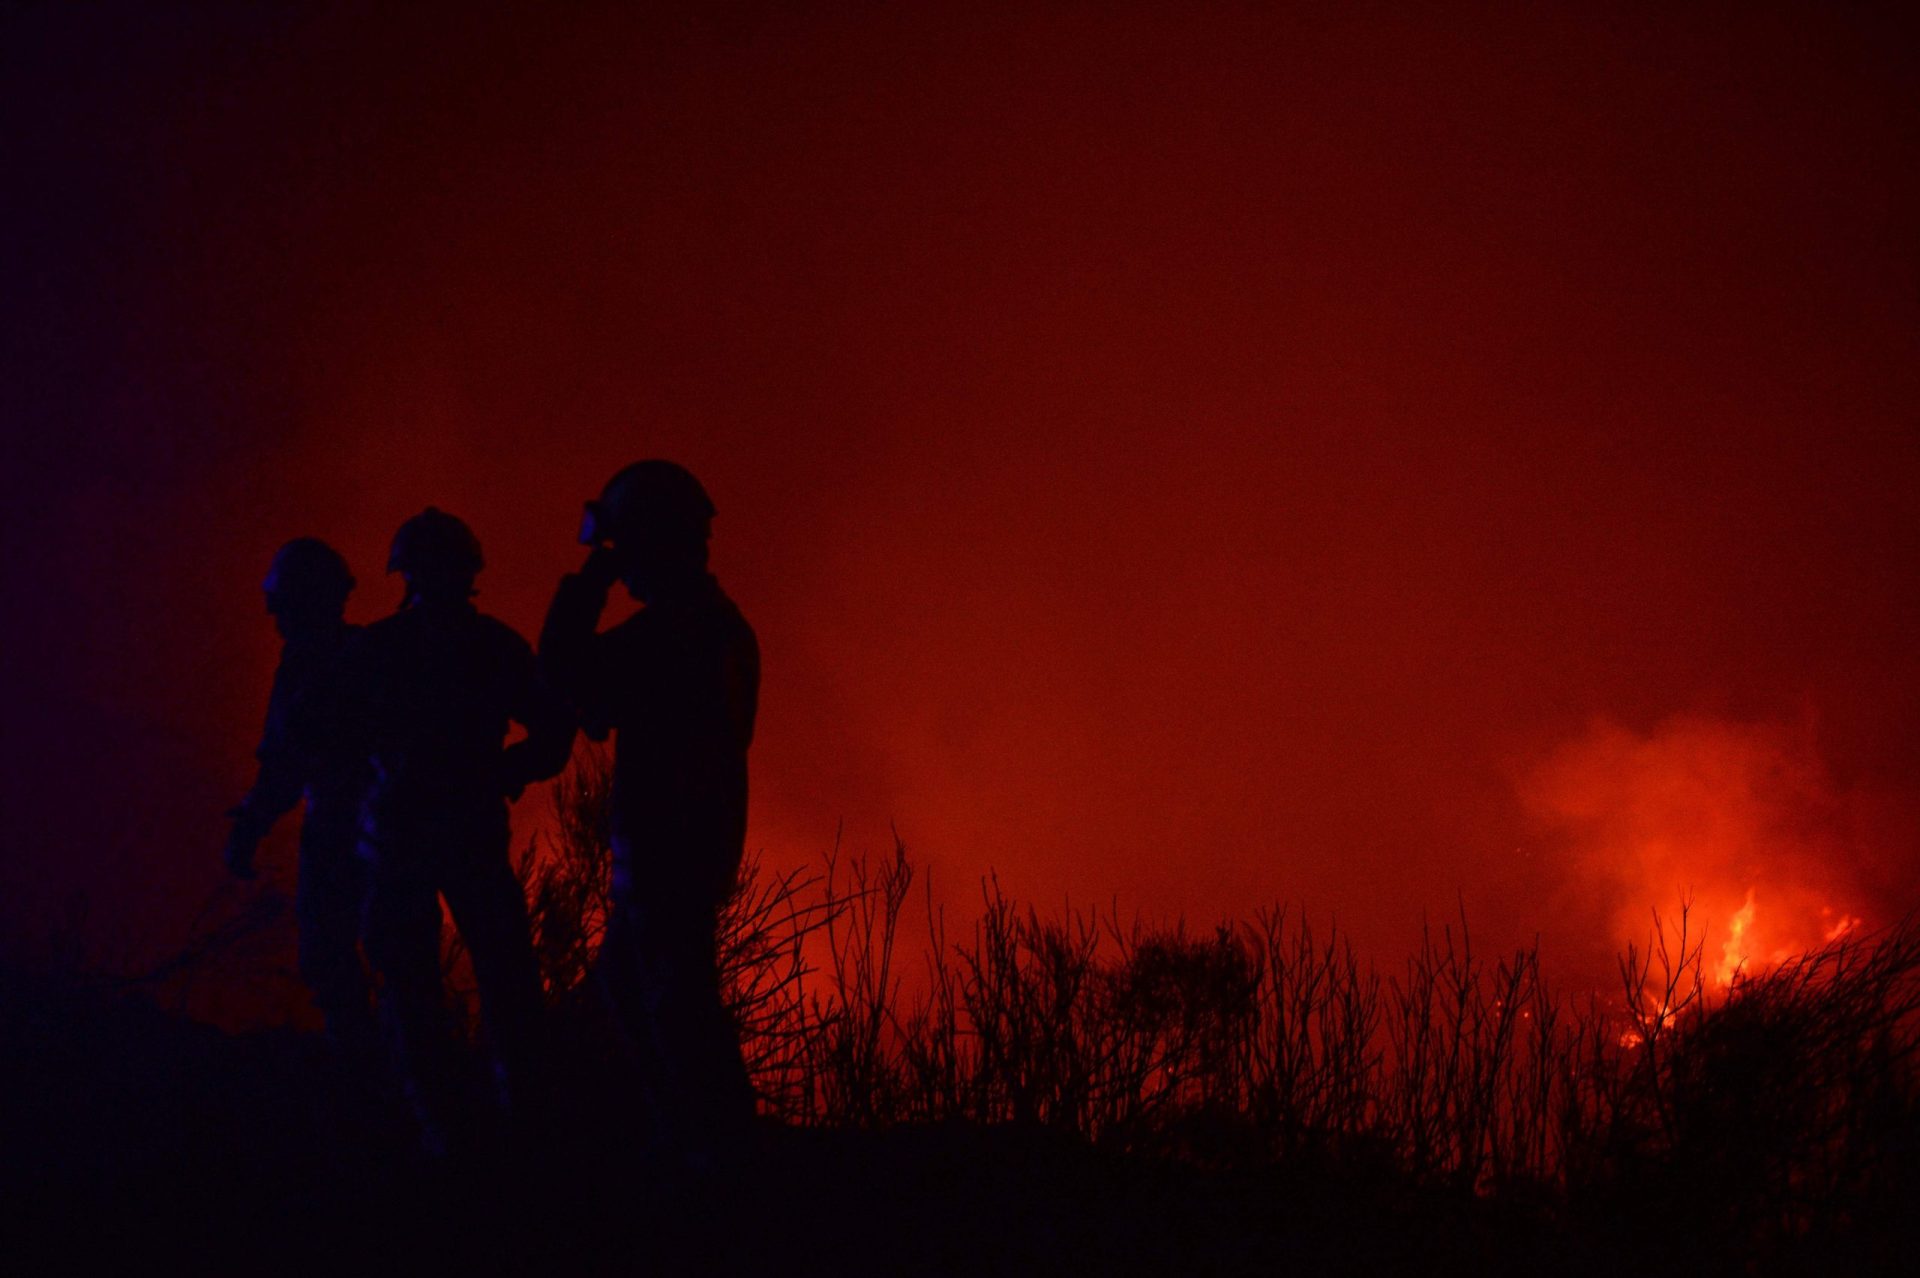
x: 573, y: 654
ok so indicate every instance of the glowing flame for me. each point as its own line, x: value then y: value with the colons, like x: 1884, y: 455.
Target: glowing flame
x: 1733, y: 953
x: 1741, y: 824
x: 1742, y: 955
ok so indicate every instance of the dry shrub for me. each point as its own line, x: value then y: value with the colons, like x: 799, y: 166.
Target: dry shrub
x: 1783, y: 1110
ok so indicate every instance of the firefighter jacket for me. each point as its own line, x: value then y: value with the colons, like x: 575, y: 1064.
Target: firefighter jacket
x: 677, y: 684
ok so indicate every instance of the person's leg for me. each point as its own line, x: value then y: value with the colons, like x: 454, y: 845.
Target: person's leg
x: 490, y: 909
x: 619, y: 974
x: 705, y: 1099
x: 403, y: 942
x: 616, y: 970
x: 330, y: 906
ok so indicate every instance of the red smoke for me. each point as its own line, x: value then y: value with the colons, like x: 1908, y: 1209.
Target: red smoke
x: 1190, y: 456
x: 1740, y: 821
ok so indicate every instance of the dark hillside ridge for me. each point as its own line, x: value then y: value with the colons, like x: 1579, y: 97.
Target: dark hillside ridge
x: 140, y: 1137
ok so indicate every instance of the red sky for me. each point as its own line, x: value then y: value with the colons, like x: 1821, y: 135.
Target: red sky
x: 1350, y: 456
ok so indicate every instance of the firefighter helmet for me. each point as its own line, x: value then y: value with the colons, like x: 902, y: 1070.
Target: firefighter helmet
x: 435, y: 542
x: 648, y: 497
x: 307, y: 570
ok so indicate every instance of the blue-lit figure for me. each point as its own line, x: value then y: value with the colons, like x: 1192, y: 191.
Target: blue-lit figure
x: 427, y: 696
x: 307, y: 588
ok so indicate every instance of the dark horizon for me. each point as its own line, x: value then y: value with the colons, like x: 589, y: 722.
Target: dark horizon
x: 1374, y: 463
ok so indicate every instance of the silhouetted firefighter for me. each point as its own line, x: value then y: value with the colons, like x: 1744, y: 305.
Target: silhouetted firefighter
x: 678, y: 682
x: 307, y: 588
x: 427, y: 696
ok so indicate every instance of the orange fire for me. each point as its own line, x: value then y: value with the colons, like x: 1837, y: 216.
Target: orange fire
x: 1745, y: 954
x: 1739, y: 823
x: 1735, y: 951
x: 1845, y: 924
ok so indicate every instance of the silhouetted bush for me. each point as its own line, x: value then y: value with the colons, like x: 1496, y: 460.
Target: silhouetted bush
x: 1779, y: 1116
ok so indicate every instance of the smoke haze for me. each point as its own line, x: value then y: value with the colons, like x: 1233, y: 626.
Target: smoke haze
x: 1195, y: 460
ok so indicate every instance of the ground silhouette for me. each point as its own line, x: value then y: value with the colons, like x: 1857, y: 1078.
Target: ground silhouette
x: 1777, y: 1135
x: 138, y: 1135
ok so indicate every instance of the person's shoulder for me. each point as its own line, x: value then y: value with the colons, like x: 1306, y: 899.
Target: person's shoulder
x: 337, y: 647
x: 376, y: 635
x: 501, y: 636
x: 734, y: 619
x: 367, y: 649
x: 353, y: 637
